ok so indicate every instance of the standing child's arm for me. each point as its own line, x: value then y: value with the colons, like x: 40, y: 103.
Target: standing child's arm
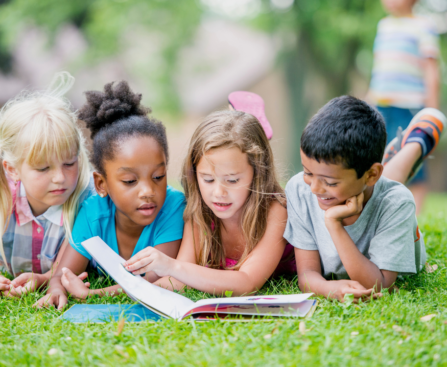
x: 431, y: 77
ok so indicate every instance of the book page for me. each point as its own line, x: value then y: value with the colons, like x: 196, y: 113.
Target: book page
x: 275, y: 310
x: 251, y: 300
x: 167, y: 303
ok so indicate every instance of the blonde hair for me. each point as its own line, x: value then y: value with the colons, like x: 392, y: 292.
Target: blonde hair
x: 35, y: 127
x: 230, y: 129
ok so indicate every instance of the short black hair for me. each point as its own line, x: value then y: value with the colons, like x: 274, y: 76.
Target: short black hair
x: 115, y: 115
x: 346, y: 131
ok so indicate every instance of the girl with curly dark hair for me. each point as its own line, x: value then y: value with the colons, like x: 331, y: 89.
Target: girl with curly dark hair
x: 135, y: 207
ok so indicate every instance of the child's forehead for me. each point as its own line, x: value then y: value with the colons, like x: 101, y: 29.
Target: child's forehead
x: 335, y: 170
x: 224, y: 160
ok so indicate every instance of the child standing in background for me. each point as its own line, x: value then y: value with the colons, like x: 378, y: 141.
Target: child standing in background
x: 43, y: 177
x: 405, y: 76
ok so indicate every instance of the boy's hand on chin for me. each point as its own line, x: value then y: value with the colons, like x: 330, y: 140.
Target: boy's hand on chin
x: 353, y: 206
x: 75, y: 284
x: 150, y: 259
x: 343, y: 287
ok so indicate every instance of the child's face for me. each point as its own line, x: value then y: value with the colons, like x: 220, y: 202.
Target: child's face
x: 135, y: 180
x: 332, y: 184
x: 225, y: 176
x: 50, y: 183
x: 398, y: 7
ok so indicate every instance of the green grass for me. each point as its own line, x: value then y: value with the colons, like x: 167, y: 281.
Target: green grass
x: 387, y: 331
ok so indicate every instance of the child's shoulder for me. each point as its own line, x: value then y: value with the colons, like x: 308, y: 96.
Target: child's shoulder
x: 391, y: 193
x: 297, y: 188
x: 174, y: 196
x: 96, y: 207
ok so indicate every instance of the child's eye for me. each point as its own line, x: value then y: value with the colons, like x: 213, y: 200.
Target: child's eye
x: 209, y: 180
x: 69, y: 164
x: 331, y: 185
x: 158, y: 178
x: 42, y: 169
x: 130, y: 182
x: 233, y: 181
x: 307, y: 174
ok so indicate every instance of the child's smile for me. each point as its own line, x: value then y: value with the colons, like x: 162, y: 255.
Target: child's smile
x: 332, y: 184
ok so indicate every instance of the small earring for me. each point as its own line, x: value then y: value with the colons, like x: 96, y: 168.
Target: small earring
x: 102, y: 195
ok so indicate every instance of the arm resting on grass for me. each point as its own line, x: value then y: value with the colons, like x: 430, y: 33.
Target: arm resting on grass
x: 310, y: 278
x: 357, y: 266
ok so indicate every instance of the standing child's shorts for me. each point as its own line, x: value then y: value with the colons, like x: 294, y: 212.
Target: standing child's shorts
x: 395, y: 117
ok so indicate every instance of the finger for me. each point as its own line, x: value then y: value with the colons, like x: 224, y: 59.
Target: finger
x: 4, y: 287
x: 138, y: 256
x: 83, y: 275
x: 62, y: 301
x: 21, y: 279
x: 360, y: 293
x: 69, y: 274
x: 140, y: 264
x: 144, y: 269
x: 87, y: 284
x: 360, y: 201
x: 4, y: 281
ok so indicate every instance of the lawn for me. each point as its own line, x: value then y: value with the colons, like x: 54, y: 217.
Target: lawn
x: 388, y: 331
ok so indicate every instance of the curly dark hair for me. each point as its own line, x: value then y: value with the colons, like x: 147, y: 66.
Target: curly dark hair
x: 115, y: 115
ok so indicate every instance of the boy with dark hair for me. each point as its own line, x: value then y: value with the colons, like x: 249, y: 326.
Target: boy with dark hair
x: 354, y: 229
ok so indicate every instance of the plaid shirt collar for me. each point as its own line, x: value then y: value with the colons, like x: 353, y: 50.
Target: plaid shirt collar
x: 24, y: 214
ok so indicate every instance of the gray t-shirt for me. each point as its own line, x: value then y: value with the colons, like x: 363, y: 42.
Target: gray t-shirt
x: 386, y: 232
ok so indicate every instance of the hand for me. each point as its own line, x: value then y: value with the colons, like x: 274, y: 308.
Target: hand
x: 27, y: 282
x: 343, y: 287
x: 5, y: 285
x: 150, y: 259
x: 75, y: 284
x: 56, y: 298
x: 353, y: 206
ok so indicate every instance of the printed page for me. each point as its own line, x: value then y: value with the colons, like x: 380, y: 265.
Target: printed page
x: 251, y: 300
x: 162, y: 301
x: 275, y: 310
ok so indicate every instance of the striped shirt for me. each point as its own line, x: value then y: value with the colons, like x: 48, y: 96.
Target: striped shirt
x: 31, y: 243
x: 400, y: 48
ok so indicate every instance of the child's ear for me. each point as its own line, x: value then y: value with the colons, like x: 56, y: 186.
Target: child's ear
x: 11, y: 171
x: 100, y: 184
x: 373, y: 174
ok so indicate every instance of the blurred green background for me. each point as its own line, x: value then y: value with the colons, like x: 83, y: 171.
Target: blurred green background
x: 186, y: 56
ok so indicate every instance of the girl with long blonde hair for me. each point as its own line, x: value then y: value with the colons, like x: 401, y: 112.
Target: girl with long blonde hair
x: 235, y: 215
x: 44, y: 175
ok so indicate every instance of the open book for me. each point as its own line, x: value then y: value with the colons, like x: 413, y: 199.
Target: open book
x: 173, y: 305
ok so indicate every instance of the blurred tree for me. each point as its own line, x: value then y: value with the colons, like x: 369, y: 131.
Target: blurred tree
x: 106, y: 25
x: 333, y: 41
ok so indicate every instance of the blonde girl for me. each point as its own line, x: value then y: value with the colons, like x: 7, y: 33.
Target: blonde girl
x: 234, y: 218
x: 44, y: 175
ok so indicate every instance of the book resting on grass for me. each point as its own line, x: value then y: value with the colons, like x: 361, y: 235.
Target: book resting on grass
x: 168, y: 304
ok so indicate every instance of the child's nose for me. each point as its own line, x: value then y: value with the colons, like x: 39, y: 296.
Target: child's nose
x: 147, y: 191
x: 316, y: 187
x: 220, y: 190
x: 59, y: 176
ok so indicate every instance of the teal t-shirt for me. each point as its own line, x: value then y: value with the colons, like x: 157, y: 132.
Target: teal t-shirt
x: 96, y: 217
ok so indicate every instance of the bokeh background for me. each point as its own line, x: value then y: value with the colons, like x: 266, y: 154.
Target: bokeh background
x: 185, y: 56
